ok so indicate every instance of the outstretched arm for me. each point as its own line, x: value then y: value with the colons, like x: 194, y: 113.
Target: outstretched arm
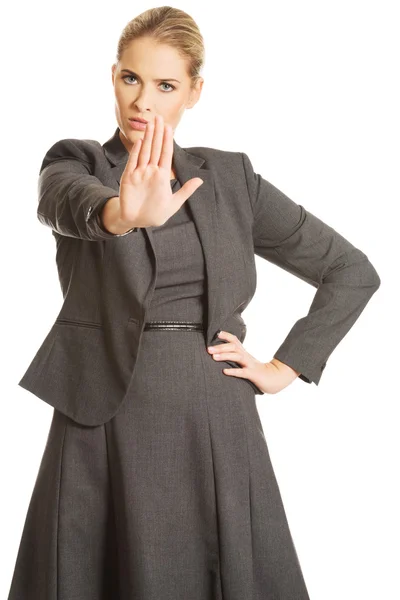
x: 70, y: 198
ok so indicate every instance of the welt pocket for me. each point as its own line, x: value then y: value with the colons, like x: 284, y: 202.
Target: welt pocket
x: 89, y: 324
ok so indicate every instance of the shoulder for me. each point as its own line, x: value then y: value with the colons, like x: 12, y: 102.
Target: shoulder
x: 82, y: 150
x: 230, y: 166
x: 215, y: 154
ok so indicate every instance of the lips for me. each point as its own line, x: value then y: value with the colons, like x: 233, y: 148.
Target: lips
x: 137, y: 125
x: 138, y: 119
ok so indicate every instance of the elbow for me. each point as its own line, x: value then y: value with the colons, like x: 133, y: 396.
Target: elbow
x: 355, y: 270
x: 42, y: 218
x: 376, y: 280
x: 372, y: 275
x: 363, y: 272
x: 368, y: 279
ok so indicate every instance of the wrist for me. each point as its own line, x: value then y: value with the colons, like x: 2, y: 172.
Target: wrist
x: 110, y: 219
x: 283, y: 366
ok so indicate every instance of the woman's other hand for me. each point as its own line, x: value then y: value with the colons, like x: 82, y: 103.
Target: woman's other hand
x: 270, y: 377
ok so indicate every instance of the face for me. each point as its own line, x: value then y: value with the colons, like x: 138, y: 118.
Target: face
x: 151, y: 79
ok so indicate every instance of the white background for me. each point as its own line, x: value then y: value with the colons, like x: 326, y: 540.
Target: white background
x: 309, y: 90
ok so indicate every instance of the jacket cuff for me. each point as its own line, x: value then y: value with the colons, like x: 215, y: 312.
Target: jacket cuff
x: 94, y: 220
x: 308, y: 372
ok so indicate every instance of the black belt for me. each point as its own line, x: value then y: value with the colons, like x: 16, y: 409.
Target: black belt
x: 174, y: 325
x: 191, y: 326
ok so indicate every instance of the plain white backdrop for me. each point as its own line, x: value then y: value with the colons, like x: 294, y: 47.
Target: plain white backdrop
x: 310, y: 92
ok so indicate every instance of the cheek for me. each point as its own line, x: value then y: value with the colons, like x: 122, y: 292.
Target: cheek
x: 175, y: 110
x: 118, y: 103
x: 121, y: 96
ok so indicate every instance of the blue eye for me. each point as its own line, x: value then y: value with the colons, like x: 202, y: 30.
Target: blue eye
x: 165, y: 83
x: 162, y: 83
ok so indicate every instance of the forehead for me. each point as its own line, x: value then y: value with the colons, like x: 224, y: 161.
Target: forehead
x: 148, y: 58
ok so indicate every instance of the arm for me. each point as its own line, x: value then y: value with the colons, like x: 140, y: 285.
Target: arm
x: 70, y: 198
x: 291, y: 237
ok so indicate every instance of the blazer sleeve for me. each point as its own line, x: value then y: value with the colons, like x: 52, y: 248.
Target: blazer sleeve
x: 70, y: 198
x: 291, y: 237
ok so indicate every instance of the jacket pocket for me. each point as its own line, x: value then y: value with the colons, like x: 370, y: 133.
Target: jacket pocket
x: 90, y: 324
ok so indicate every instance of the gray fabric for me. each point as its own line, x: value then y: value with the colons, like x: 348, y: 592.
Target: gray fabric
x: 180, y: 290
x: 87, y: 360
x: 173, y: 497
x: 156, y: 480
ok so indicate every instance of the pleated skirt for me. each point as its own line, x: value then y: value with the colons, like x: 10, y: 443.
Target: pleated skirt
x: 174, y: 498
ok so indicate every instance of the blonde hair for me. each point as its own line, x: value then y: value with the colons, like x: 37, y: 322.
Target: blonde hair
x: 170, y: 26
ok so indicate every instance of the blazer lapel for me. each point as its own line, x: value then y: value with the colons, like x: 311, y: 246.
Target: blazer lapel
x: 202, y: 204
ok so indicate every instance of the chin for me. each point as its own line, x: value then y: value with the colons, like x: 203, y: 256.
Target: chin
x: 134, y: 134
x: 131, y: 134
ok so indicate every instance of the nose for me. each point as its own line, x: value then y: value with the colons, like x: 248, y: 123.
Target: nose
x: 143, y: 104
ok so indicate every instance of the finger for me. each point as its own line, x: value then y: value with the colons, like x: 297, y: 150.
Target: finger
x: 167, y: 149
x: 188, y: 188
x: 236, y: 372
x: 226, y: 335
x: 226, y: 346
x: 145, y: 150
x: 158, y: 135
x: 235, y: 356
x: 133, y: 156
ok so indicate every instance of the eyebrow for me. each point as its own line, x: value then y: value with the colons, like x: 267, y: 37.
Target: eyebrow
x: 137, y: 76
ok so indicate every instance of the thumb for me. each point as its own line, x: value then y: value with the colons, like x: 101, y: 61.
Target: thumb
x: 188, y: 189
x: 191, y: 186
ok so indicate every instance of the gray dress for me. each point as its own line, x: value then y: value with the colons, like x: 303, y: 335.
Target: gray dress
x: 174, y: 498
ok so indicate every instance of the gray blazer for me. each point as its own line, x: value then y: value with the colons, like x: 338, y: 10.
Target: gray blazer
x: 85, y: 363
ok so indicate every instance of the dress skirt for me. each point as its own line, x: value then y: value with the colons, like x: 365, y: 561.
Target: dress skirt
x: 175, y: 497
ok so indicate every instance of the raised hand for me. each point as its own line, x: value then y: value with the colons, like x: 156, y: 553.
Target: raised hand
x: 145, y: 197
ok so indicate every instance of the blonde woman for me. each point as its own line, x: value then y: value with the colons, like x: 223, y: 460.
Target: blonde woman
x: 156, y: 481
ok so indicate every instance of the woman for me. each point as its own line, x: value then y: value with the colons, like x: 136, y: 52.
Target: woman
x: 156, y: 481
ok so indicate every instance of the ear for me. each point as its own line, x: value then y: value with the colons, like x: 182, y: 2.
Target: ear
x: 195, y: 93
x: 113, y: 68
